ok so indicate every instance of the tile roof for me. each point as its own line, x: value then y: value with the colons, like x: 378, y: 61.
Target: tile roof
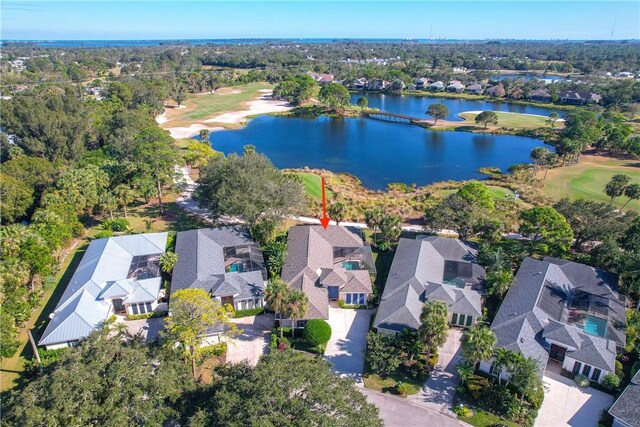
x: 535, y: 302
x: 103, y: 273
x: 626, y: 407
x: 201, y: 263
x: 417, y: 274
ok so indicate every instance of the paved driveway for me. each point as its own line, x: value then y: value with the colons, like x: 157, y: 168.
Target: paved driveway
x: 345, y: 349
x: 253, y: 342
x: 149, y: 329
x: 566, y: 404
x: 437, y: 393
x: 398, y: 412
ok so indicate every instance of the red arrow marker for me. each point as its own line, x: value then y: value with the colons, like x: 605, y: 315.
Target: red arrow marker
x: 325, y: 219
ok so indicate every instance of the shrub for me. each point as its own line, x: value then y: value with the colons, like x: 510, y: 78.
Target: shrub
x: 317, y: 332
x: 248, y: 312
x: 116, y: 224
x: 582, y: 381
x: 635, y: 368
x: 433, y: 360
x: 274, y: 341
x: 500, y: 401
x: 619, y: 369
x: 402, y: 389
x: 151, y: 315
x: 477, y: 385
x: 462, y: 411
x: 103, y: 233
x: 606, y: 419
x: 283, y: 343
x: 611, y: 382
x: 215, y: 350
x: 48, y: 357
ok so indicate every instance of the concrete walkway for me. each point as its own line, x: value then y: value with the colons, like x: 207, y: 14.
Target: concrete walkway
x: 345, y: 350
x: 439, y: 389
x: 253, y: 342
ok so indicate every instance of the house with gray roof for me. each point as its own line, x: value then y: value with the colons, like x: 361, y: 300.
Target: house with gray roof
x: 225, y: 262
x: 436, y: 86
x: 455, y: 86
x: 332, y: 264
x: 117, y: 275
x: 564, y: 313
x: 475, y: 88
x: 431, y: 268
x: 626, y: 409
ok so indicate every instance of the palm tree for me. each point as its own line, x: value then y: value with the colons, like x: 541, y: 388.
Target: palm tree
x: 501, y: 358
x: 553, y: 118
x: 538, y: 155
x: 465, y: 371
x: 499, y: 282
x: 168, y: 261
x: 632, y: 191
x: 276, y: 296
x: 373, y: 218
x: 124, y: 195
x: 433, y: 325
x: 296, y: 307
x: 477, y: 344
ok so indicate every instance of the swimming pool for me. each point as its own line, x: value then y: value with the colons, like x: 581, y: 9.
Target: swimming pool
x: 458, y: 283
x: 235, y: 268
x: 351, y: 265
x: 595, y: 326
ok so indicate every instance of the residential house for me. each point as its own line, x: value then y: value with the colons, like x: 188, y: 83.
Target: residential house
x: 579, y: 98
x: 540, y: 95
x: 516, y: 93
x: 563, y: 314
x: 359, y: 84
x: 322, y: 78
x: 431, y: 268
x: 117, y: 275
x: 377, y: 84
x: 459, y: 69
x: 625, y: 75
x: 455, y: 86
x: 332, y: 264
x: 626, y: 409
x: 421, y: 83
x: 436, y: 86
x: 474, y: 88
x: 496, y: 91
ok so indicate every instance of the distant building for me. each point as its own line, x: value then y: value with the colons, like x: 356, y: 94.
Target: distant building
x: 516, y: 93
x: 456, y: 87
x: 540, y: 95
x: 496, y: 91
x: 459, y: 69
x: 579, y: 98
x: 359, y: 84
x: 322, y: 78
x: 474, y: 88
x: 436, y: 86
x: 624, y: 75
x: 626, y: 409
x: 377, y: 84
x: 421, y: 83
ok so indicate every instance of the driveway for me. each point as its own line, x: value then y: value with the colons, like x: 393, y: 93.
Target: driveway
x: 345, y: 349
x: 396, y: 412
x: 566, y: 404
x: 437, y: 392
x: 253, y: 342
x: 149, y: 329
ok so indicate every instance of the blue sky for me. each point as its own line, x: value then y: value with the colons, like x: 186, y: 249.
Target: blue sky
x: 86, y: 20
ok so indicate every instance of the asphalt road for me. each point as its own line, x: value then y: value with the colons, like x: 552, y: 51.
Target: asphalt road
x: 399, y: 412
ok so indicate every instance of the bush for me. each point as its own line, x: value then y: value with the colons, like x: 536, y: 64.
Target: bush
x: 635, y: 368
x: 619, y: 369
x: 283, y: 343
x: 343, y: 304
x: 248, y: 312
x: 214, y: 350
x: 151, y: 315
x: 317, y: 332
x: 462, y: 411
x: 433, y: 360
x: 477, y: 385
x: 48, y: 357
x: 402, y: 389
x: 274, y: 341
x: 116, y: 224
x: 500, y: 401
x: 606, y: 419
x: 103, y: 234
x: 611, y: 382
x: 581, y: 380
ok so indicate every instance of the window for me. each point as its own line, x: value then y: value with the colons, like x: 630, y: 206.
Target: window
x: 462, y: 319
x: 494, y: 370
x: 149, y: 309
x: 596, y: 375
x: 454, y: 318
x: 134, y: 308
x: 469, y: 320
x: 576, y: 367
x: 258, y: 302
x: 362, y: 299
x: 301, y: 323
x: 142, y: 308
x: 586, y: 370
x: 348, y: 298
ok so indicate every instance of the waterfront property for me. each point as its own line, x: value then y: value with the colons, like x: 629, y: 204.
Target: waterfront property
x: 455, y: 86
x: 223, y: 261
x: 579, y: 98
x: 117, y: 275
x: 332, y: 264
x: 563, y: 314
x: 474, y: 88
x: 421, y: 83
x: 431, y: 268
x: 626, y: 409
x: 540, y: 95
x: 436, y: 86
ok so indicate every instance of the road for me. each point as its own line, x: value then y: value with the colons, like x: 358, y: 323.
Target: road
x: 399, y: 412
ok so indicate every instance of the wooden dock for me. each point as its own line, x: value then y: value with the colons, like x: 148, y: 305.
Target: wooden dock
x: 395, y: 117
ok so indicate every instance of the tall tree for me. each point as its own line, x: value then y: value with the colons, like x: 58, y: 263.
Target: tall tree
x: 552, y: 119
x: 373, y: 218
x: 437, y: 111
x: 433, y: 325
x: 616, y: 186
x: 295, y: 308
x: 477, y: 344
x: 632, y: 191
x: 334, y: 95
x: 486, y: 118
x: 548, y: 231
x: 499, y: 282
x: 336, y: 212
x: 193, y: 312
x: 538, y: 155
x: 277, y: 296
x: 390, y: 229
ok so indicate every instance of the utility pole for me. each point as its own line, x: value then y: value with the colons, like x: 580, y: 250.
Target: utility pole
x: 35, y: 350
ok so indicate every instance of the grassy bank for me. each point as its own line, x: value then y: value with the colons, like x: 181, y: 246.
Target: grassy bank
x: 313, y: 185
x: 513, y: 121
x: 586, y: 180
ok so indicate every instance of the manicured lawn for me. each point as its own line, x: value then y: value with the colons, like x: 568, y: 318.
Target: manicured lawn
x: 388, y: 384
x: 313, y: 185
x: 515, y: 120
x: 204, y: 106
x: 482, y: 418
x: 586, y: 180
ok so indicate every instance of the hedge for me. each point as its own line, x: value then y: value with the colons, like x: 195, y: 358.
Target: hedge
x: 151, y: 315
x: 248, y: 312
x: 317, y: 332
x: 476, y: 386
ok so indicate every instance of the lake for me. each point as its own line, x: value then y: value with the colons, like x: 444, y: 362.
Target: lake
x: 376, y: 152
x: 417, y: 105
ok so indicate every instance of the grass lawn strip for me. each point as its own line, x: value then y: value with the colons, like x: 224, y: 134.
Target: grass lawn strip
x: 513, y: 120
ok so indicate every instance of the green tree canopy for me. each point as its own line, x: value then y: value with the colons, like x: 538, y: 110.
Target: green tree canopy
x: 477, y: 344
x: 548, y: 231
x: 334, y: 95
x: 433, y: 325
x: 616, y: 186
x: 486, y: 118
x: 437, y: 111
x: 17, y: 197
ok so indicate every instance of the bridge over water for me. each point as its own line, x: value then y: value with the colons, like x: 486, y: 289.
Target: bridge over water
x: 396, y: 117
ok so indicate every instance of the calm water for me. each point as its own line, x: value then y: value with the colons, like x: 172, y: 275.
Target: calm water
x: 417, y: 105
x: 377, y: 152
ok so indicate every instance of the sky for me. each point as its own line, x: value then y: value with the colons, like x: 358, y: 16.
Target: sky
x: 157, y: 19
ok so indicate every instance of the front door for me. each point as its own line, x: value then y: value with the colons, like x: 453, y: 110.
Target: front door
x: 334, y: 293
x: 557, y: 353
x: 227, y: 300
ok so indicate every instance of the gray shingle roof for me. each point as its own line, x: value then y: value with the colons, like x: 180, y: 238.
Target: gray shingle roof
x: 103, y: 273
x: 310, y: 264
x: 417, y: 274
x: 201, y: 263
x: 627, y: 406
x: 535, y: 301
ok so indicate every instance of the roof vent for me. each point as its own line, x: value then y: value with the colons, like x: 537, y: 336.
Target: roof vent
x: 52, y: 315
x: 521, y: 340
